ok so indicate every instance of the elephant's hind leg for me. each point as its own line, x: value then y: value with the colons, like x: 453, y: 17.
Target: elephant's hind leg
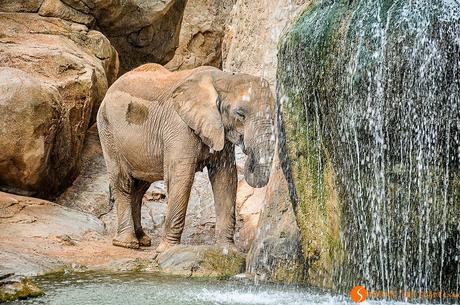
x: 138, y: 191
x: 122, y: 189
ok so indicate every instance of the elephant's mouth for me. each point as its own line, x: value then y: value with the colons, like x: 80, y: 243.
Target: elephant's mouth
x: 242, y: 146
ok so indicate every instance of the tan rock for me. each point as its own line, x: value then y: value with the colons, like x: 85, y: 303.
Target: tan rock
x: 276, y: 252
x: 31, y: 6
x: 72, y: 67
x: 249, y: 204
x: 201, y: 35
x: 38, y: 236
x: 31, y: 112
x: 56, y: 8
x: 251, y: 38
x: 50, y: 220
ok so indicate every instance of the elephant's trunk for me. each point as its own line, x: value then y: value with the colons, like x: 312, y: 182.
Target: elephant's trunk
x: 260, y: 149
x: 256, y: 175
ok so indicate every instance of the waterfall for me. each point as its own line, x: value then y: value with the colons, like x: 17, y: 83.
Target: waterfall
x: 371, y: 90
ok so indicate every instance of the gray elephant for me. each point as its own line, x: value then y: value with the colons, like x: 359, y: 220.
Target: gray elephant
x: 160, y: 125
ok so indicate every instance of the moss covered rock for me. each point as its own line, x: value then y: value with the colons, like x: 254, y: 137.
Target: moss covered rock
x: 202, y: 261
x: 368, y: 97
x: 15, y: 287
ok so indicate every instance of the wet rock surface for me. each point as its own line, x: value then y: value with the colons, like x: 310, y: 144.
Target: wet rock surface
x: 276, y: 254
x: 202, y: 261
x: 372, y: 152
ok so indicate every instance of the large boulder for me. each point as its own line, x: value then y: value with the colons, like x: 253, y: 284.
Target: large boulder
x: 369, y: 100
x: 27, y: 135
x: 61, y: 73
x: 201, y: 34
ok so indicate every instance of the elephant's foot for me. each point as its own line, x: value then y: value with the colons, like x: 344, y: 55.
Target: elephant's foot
x: 164, y: 245
x: 126, y: 240
x: 144, y: 240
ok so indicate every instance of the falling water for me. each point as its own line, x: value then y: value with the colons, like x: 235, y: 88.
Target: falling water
x: 374, y: 88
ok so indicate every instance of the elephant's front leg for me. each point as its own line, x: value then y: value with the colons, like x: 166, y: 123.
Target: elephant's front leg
x: 180, y: 173
x: 224, y: 179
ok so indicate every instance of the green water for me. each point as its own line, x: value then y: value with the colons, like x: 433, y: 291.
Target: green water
x: 142, y: 288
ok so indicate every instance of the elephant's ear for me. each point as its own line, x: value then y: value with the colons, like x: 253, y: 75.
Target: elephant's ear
x: 195, y: 101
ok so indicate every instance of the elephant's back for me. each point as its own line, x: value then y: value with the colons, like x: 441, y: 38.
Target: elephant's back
x: 152, y: 82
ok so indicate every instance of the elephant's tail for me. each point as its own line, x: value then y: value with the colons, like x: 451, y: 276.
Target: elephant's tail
x: 111, y: 198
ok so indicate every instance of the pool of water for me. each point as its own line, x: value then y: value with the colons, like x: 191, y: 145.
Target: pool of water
x: 141, y: 288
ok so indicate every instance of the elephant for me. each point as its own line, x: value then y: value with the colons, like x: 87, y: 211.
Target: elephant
x: 155, y: 124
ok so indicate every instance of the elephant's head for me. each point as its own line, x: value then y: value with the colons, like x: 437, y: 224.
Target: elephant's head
x: 238, y: 108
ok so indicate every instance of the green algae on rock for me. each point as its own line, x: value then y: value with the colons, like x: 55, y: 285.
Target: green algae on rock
x: 369, y: 104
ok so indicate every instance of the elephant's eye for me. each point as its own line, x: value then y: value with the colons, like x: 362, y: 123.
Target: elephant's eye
x: 240, y: 114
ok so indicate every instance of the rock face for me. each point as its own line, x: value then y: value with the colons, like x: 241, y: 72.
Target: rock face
x: 276, y: 253
x: 253, y: 33
x: 201, y: 35
x: 141, y: 30
x: 89, y: 191
x: 249, y: 204
x: 61, y: 73
x: 372, y: 137
x: 250, y: 47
